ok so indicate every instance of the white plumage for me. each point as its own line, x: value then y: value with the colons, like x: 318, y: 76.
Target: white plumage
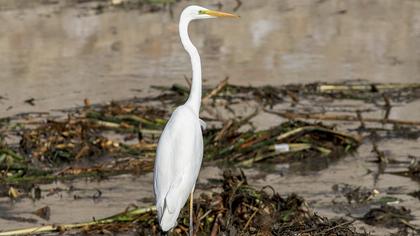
x: 179, y: 156
x: 180, y: 148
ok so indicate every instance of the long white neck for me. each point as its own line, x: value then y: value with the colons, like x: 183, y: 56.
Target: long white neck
x: 194, y: 100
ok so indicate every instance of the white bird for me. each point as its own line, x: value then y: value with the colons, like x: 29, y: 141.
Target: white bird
x: 180, y: 148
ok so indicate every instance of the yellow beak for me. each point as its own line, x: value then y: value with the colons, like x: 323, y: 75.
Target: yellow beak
x: 218, y: 13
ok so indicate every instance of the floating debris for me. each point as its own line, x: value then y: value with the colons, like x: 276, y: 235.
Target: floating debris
x: 44, y: 212
x: 13, y: 193
x: 415, y: 194
x: 355, y: 194
x: 413, y: 170
x: 389, y: 216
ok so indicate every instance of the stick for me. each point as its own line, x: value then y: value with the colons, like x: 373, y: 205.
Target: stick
x: 188, y: 80
x: 136, y: 118
x: 250, y: 219
x: 215, y: 227
x: 222, y: 132
x: 292, y: 116
x: 111, y: 125
x: 337, y: 226
x: 293, y: 147
x: 314, y: 128
x: 326, y: 88
x: 51, y: 228
x: 216, y: 90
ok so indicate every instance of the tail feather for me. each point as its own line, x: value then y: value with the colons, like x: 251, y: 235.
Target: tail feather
x: 168, y: 219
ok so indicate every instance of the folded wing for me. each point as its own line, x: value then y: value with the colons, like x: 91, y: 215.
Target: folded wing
x: 178, y: 161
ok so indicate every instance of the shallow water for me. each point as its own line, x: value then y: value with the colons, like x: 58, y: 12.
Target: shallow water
x: 77, y: 201
x: 61, y: 53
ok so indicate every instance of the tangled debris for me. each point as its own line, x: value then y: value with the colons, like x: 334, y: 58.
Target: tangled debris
x: 122, y: 137
x: 355, y: 194
x: 379, y: 211
x: 389, y: 216
x: 415, y: 194
x: 239, y: 209
x: 413, y: 170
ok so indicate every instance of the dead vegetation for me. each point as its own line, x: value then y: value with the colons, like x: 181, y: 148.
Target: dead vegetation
x: 239, y: 209
x: 121, y: 137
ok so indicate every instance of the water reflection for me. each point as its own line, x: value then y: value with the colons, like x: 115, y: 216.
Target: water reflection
x: 60, y: 54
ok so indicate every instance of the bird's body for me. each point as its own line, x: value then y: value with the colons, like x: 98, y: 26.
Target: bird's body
x: 178, y: 163
x: 180, y: 148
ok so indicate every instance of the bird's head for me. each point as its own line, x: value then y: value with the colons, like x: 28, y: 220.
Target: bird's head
x: 197, y: 12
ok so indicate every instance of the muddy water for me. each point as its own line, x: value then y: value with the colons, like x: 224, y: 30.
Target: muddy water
x: 61, y: 53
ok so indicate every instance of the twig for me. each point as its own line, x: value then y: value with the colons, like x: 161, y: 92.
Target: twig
x: 215, y: 227
x: 293, y: 96
x: 360, y: 118
x: 246, y: 119
x: 249, y: 220
x: 223, y: 131
x: 337, y: 226
x: 111, y: 125
x: 387, y: 107
x: 136, y: 119
x: 293, y: 147
x: 122, y: 217
x: 328, y: 88
x: 204, y: 216
x: 188, y: 80
x: 305, y: 129
x: 216, y: 90
x: 238, y: 5
x: 411, y: 226
x: 290, y: 115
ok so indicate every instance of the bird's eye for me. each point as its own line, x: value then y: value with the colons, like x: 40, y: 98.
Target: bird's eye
x: 201, y: 12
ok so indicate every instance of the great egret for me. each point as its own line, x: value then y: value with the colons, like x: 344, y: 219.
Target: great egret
x: 180, y: 148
